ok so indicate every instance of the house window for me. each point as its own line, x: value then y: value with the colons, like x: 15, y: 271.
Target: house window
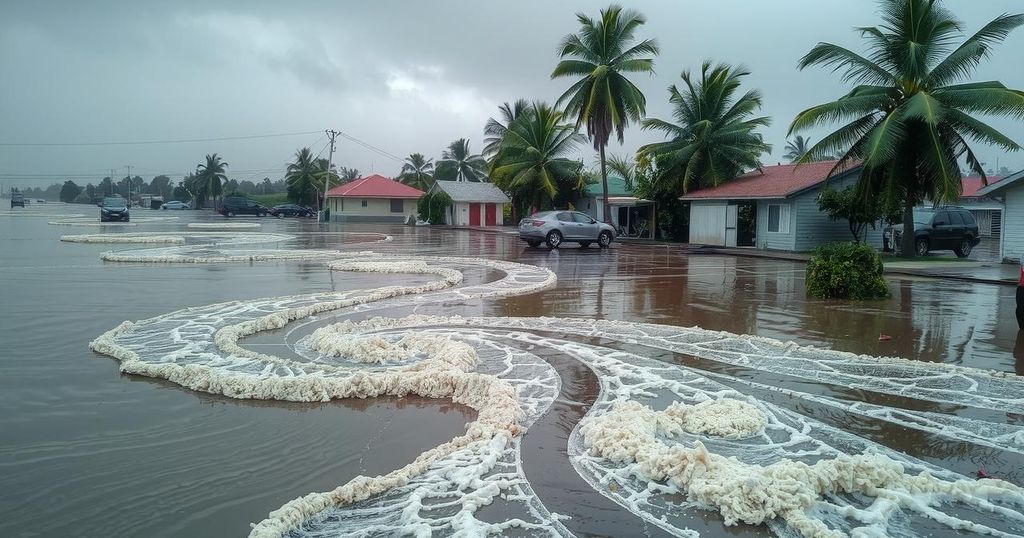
x: 778, y: 218
x: 397, y: 206
x: 364, y: 203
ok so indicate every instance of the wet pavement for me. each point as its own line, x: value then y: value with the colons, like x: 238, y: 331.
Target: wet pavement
x: 89, y: 451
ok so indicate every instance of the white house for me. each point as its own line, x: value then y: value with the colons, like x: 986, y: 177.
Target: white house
x: 372, y: 199
x: 1011, y: 190
x: 473, y: 203
x: 774, y: 209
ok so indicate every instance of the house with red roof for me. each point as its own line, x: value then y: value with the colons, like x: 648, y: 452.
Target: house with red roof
x: 987, y: 210
x: 775, y: 208
x: 373, y: 198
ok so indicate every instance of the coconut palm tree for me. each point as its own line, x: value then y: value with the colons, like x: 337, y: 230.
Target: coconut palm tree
x: 303, y: 177
x: 911, y: 112
x: 715, y: 136
x: 494, y: 130
x: 417, y: 172
x: 348, y: 174
x: 796, y: 148
x: 534, y: 161
x: 211, y: 174
x: 458, y: 163
x: 601, y: 52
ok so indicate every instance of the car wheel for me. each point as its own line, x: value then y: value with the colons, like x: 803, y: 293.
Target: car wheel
x: 554, y: 238
x: 533, y: 244
x: 964, y: 250
x: 921, y: 246
x: 584, y: 244
x: 604, y: 239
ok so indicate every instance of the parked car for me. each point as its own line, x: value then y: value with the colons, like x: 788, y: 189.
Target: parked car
x: 941, y: 228
x: 113, y: 209
x: 239, y: 205
x: 292, y: 210
x: 17, y: 199
x: 556, y: 227
x: 176, y: 204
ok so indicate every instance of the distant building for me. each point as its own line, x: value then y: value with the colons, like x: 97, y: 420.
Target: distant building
x: 625, y: 211
x: 774, y: 209
x: 372, y: 199
x: 1010, y: 191
x: 473, y: 203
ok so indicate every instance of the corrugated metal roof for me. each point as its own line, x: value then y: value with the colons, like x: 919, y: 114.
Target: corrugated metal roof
x: 473, y: 191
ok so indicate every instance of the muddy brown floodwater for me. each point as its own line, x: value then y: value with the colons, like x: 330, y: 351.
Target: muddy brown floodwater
x: 87, y: 451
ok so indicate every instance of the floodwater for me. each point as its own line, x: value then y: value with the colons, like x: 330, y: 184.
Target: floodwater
x: 87, y: 451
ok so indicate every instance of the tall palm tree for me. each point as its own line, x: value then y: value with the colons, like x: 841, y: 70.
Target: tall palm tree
x: 417, y: 172
x: 534, y: 161
x: 494, y: 130
x: 715, y: 136
x: 212, y: 173
x: 458, y: 163
x: 909, y: 116
x: 604, y: 98
x: 796, y: 148
x: 302, y: 178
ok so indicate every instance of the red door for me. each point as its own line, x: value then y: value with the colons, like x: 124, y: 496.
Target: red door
x: 474, y: 214
x: 491, y: 212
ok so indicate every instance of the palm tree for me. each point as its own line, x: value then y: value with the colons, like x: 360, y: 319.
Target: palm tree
x: 494, y: 130
x: 417, y: 172
x: 459, y: 164
x: 349, y: 174
x: 604, y: 98
x: 714, y: 138
x: 908, y: 118
x: 211, y: 175
x: 796, y: 148
x: 534, y: 160
x: 302, y: 178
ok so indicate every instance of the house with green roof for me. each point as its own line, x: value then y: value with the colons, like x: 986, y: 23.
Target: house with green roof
x: 626, y: 211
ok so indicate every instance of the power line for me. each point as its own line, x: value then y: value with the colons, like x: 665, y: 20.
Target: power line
x: 148, y: 142
x: 370, y: 147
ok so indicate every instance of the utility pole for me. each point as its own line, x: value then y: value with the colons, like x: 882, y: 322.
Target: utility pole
x: 325, y: 213
x: 129, y: 201
x: 112, y: 176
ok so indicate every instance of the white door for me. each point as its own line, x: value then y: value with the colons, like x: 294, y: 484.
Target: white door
x: 731, y: 220
x: 707, y: 223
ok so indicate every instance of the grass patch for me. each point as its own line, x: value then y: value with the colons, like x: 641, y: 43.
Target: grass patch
x: 269, y: 200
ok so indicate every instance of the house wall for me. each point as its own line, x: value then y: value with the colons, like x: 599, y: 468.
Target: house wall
x: 458, y: 213
x: 376, y: 210
x: 1013, y: 224
x: 813, y: 228
x: 707, y: 222
x: 766, y: 240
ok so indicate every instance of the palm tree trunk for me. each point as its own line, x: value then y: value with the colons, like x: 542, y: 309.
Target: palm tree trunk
x: 604, y: 188
x: 907, y: 241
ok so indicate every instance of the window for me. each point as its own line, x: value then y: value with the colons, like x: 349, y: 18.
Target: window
x: 564, y: 216
x: 956, y: 218
x: 778, y: 218
x: 942, y: 219
x: 580, y: 217
x: 969, y: 218
x: 397, y: 206
x: 364, y: 203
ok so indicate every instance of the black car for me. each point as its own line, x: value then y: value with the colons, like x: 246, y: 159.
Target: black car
x: 238, y: 205
x: 17, y: 199
x: 941, y: 228
x: 113, y: 209
x: 292, y: 210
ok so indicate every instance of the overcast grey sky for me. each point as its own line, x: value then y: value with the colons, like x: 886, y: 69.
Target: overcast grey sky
x: 403, y: 76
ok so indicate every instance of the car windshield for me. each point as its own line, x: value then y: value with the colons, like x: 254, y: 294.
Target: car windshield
x: 923, y: 216
x: 113, y: 202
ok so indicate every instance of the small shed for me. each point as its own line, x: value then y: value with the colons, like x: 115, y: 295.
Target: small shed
x: 373, y: 198
x: 1010, y: 190
x: 473, y: 203
x: 775, y: 208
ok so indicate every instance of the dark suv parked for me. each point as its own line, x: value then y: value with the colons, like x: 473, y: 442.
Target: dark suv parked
x: 238, y: 205
x: 114, y: 208
x: 941, y: 228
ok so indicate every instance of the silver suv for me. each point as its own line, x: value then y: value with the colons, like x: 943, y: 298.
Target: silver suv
x: 556, y: 227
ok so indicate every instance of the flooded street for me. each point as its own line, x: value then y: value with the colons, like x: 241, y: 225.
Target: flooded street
x: 90, y: 451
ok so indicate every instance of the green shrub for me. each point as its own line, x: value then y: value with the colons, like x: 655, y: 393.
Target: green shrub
x: 431, y: 206
x: 846, y: 271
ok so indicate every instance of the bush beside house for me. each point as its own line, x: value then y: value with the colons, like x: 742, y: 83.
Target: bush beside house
x: 847, y: 270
